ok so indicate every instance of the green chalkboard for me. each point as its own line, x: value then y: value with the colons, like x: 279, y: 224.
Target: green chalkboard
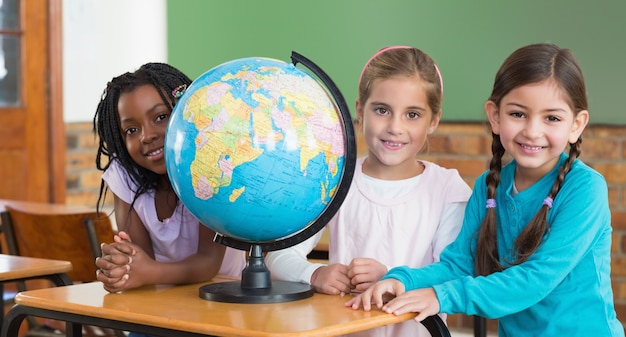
x: 468, y: 39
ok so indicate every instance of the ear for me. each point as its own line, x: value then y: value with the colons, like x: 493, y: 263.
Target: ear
x: 359, y: 111
x: 578, y: 125
x: 434, y: 122
x: 491, y: 110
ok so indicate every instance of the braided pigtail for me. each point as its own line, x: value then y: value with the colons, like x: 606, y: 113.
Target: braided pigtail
x: 531, y: 237
x: 487, y: 258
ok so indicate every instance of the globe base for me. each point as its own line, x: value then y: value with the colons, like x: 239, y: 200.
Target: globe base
x: 233, y: 292
x: 256, y: 285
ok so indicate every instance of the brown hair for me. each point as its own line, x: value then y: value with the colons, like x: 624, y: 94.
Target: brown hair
x: 530, y: 64
x: 403, y: 61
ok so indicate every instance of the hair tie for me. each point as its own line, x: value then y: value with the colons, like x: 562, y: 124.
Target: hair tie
x: 397, y: 47
x: 491, y: 203
x: 179, y: 90
x: 548, y: 202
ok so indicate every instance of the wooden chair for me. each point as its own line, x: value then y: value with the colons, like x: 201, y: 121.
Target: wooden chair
x: 73, y: 237
x: 69, y: 234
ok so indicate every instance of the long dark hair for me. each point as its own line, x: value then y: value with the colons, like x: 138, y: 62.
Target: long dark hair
x: 106, y: 126
x: 530, y: 64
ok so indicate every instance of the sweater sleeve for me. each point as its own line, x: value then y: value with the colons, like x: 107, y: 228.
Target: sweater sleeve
x: 291, y: 264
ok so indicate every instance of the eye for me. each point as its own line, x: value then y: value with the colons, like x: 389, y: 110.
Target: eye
x: 516, y: 114
x: 162, y: 117
x: 553, y: 118
x: 413, y: 115
x: 381, y: 111
x: 130, y: 131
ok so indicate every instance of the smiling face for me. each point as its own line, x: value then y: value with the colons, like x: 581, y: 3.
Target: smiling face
x: 143, y: 118
x: 396, y: 120
x: 535, y: 124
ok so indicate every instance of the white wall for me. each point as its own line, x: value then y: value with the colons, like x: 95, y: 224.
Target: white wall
x: 102, y: 39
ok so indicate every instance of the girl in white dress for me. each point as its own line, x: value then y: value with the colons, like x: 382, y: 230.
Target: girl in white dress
x: 400, y: 210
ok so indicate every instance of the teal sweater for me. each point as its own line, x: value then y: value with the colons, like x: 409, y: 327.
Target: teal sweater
x: 563, y: 289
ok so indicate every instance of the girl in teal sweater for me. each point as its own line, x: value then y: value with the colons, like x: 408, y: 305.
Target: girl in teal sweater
x: 534, y: 249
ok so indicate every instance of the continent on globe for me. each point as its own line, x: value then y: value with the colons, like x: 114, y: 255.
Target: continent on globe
x: 255, y: 149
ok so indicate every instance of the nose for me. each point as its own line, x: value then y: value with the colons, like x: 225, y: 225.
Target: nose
x: 148, y: 134
x: 534, y: 128
x: 395, y: 124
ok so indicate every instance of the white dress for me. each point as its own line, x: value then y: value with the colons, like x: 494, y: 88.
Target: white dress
x: 407, y: 222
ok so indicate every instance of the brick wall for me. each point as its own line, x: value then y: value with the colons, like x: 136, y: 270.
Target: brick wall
x: 465, y: 146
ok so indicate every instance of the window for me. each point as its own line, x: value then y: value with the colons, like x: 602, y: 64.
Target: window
x: 10, y: 50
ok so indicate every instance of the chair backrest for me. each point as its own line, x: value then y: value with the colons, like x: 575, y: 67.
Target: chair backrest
x: 71, y: 236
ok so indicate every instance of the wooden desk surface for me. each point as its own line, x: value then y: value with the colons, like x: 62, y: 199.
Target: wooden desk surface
x: 19, y: 267
x: 181, y: 308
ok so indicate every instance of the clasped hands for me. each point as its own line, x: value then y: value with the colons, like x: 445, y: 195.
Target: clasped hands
x: 119, y: 261
x: 338, y: 278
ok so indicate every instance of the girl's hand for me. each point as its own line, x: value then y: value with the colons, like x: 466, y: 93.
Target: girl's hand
x: 378, y: 293
x: 122, y: 236
x: 364, y: 272
x: 422, y: 301
x: 332, y: 279
x: 120, y: 271
x: 113, y: 266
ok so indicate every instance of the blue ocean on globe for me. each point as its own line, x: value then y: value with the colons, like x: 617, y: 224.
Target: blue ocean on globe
x: 255, y: 149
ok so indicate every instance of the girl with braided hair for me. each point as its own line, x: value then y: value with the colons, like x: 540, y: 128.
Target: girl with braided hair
x: 160, y: 241
x: 534, y: 249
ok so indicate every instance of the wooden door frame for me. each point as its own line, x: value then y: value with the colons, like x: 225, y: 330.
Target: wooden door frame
x: 32, y: 130
x: 57, y: 142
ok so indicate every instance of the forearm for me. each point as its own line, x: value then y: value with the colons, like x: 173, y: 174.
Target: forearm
x: 291, y: 264
x: 196, y: 268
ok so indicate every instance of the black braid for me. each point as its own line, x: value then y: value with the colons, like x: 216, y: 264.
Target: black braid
x: 106, y: 126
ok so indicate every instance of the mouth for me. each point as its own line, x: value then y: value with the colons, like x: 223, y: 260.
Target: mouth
x: 155, y: 152
x: 530, y: 148
x: 392, y: 144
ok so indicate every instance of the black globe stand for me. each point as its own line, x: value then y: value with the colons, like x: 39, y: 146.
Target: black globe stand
x: 256, y: 285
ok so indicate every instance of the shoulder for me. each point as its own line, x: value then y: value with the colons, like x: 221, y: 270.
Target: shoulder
x: 440, y: 174
x: 580, y: 169
x: 118, y: 181
x: 115, y: 172
x: 436, y: 170
x: 584, y: 178
x: 445, y: 180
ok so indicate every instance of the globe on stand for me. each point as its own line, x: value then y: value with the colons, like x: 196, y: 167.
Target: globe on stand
x: 262, y: 152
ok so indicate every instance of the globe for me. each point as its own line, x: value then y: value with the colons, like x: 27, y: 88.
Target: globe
x: 262, y: 152
x: 256, y: 149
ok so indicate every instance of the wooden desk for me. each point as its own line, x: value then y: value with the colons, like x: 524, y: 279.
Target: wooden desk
x: 179, y: 311
x: 18, y: 268
x: 14, y: 268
